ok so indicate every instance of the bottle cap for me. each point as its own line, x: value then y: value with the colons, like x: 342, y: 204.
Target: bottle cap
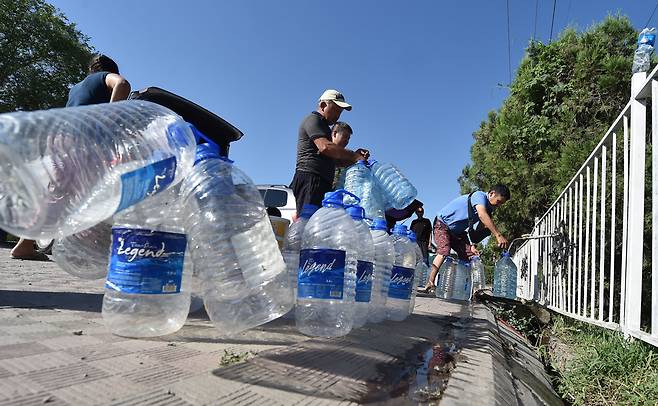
x: 308, y: 210
x: 412, y: 236
x: 506, y: 254
x: 400, y: 229
x: 206, y: 151
x: 356, y: 211
x: 378, y: 224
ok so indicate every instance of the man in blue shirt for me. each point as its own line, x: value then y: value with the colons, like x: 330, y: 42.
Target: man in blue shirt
x: 451, y: 226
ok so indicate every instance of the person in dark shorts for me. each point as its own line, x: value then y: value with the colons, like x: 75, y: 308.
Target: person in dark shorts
x: 452, y: 223
x: 423, y: 228
x: 103, y: 84
x: 317, y: 155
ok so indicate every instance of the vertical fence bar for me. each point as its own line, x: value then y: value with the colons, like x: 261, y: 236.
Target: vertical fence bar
x: 604, y: 155
x: 563, y: 227
x: 579, y: 310
x: 595, y: 186
x: 572, y: 256
x: 624, y: 253
x: 587, y: 246
x: 654, y: 208
x: 613, y: 179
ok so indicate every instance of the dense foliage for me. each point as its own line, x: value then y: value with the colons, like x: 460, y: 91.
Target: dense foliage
x: 41, y: 55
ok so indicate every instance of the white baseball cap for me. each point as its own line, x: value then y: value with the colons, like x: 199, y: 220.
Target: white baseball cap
x: 336, y: 97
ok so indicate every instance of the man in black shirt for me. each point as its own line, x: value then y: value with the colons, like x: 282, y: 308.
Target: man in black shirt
x: 423, y: 228
x: 317, y: 155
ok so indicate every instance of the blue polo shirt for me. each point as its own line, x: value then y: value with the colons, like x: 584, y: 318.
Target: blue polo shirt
x: 455, y: 213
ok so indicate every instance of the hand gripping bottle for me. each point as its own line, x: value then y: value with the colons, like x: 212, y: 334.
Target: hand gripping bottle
x: 505, y: 277
x: 63, y: 171
x: 235, y: 253
x: 327, y: 271
x: 85, y: 254
x: 364, y: 268
x: 402, y: 275
x: 397, y: 189
x: 421, y: 268
x: 446, y: 278
x: 478, y: 277
x: 292, y: 246
x: 359, y: 181
x: 384, y: 258
x: 147, y: 288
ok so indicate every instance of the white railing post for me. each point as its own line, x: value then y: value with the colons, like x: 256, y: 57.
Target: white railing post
x: 633, y: 294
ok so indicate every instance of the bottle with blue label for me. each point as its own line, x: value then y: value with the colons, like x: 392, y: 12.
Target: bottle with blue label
x: 293, y: 245
x: 147, y: 291
x: 402, y: 275
x: 384, y: 258
x: 398, y: 191
x: 364, y: 266
x: 63, y: 171
x: 505, y: 274
x: 462, y: 284
x: 360, y: 182
x: 421, y: 267
x: 326, y: 286
x: 85, y: 254
x: 446, y: 278
x: 242, y: 274
x: 645, y: 45
x: 478, y: 277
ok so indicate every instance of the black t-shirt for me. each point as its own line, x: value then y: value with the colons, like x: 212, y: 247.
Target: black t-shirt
x: 91, y: 90
x: 309, y: 159
x: 422, y: 228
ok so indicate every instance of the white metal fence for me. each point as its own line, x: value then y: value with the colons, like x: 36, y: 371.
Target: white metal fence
x: 593, y: 255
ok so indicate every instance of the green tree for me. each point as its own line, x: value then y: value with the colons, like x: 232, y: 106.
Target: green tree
x: 563, y: 99
x: 41, y: 55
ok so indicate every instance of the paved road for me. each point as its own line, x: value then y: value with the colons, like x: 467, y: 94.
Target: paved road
x: 55, y: 350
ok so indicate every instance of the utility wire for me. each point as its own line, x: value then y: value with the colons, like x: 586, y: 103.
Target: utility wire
x: 651, y: 16
x: 552, y: 21
x: 509, y: 49
x: 534, y: 32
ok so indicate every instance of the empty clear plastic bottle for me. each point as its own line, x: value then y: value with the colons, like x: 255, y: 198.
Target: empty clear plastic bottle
x: 402, y: 275
x: 396, y: 188
x: 478, y: 276
x: 384, y: 258
x: 63, y: 171
x: 421, y: 267
x: 360, y: 182
x: 235, y: 253
x: 645, y: 46
x: 85, y: 254
x: 147, y: 291
x: 462, y: 285
x: 446, y: 278
x: 293, y: 245
x: 505, y: 273
x: 327, y: 271
x: 364, y: 267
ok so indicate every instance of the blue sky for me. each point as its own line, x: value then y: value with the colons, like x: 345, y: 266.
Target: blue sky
x: 421, y: 75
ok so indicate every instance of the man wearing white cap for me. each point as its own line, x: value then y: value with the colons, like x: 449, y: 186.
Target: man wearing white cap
x: 317, y: 155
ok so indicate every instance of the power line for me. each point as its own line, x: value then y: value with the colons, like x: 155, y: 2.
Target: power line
x: 552, y: 21
x: 651, y: 16
x: 509, y: 49
x: 534, y: 32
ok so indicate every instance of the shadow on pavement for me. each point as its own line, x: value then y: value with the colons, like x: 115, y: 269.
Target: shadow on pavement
x: 88, y: 302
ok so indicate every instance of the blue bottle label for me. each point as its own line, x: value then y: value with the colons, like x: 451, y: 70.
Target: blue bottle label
x: 321, y: 274
x: 149, y: 180
x: 401, y: 283
x: 145, y: 261
x: 363, y: 281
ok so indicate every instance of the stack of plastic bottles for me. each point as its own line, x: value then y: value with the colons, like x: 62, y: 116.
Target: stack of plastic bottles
x: 505, y: 274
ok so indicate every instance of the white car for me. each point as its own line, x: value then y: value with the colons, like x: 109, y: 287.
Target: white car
x: 281, y: 197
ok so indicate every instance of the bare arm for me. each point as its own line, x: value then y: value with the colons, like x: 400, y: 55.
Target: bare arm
x: 488, y: 223
x: 118, y: 85
x: 342, y: 155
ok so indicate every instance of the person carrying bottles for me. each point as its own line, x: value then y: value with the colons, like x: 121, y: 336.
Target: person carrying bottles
x: 463, y: 223
x: 103, y: 84
x: 317, y: 154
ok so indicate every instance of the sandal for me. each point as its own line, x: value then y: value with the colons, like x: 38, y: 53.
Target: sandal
x: 427, y: 290
x: 35, y: 256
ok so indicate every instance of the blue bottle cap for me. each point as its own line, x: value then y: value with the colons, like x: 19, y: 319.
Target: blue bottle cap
x: 308, y: 210
x: 332, y: 199
x: 400, y: 229
x: 411, y: 235
x: 356, y: 211
x: 475, y: 257
x: 465, y: 262
x: 206, y: 151
x: 506, y: 254
x: 378, y: 224
x: 361, y: 162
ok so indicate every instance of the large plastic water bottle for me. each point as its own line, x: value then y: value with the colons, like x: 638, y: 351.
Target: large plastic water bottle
x: 421, y: 267
x: 63, y: 171
x: 477, y: 268
x: 85, y: 254
x: 462, y: 284
x: 327, y: 271
x: 645, y: 46
x: 364, y: 266
x: 235, y: 253
x: 360, y: 182
x: 446, y: 278
x: 505, y: 274
x: 147, y: 291
x: 402, y: 275
x: 384, y: 258
x: 293, y: 245
x: 397, y: 189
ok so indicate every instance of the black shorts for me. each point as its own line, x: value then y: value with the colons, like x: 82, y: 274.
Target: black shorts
x: 309, y: 188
